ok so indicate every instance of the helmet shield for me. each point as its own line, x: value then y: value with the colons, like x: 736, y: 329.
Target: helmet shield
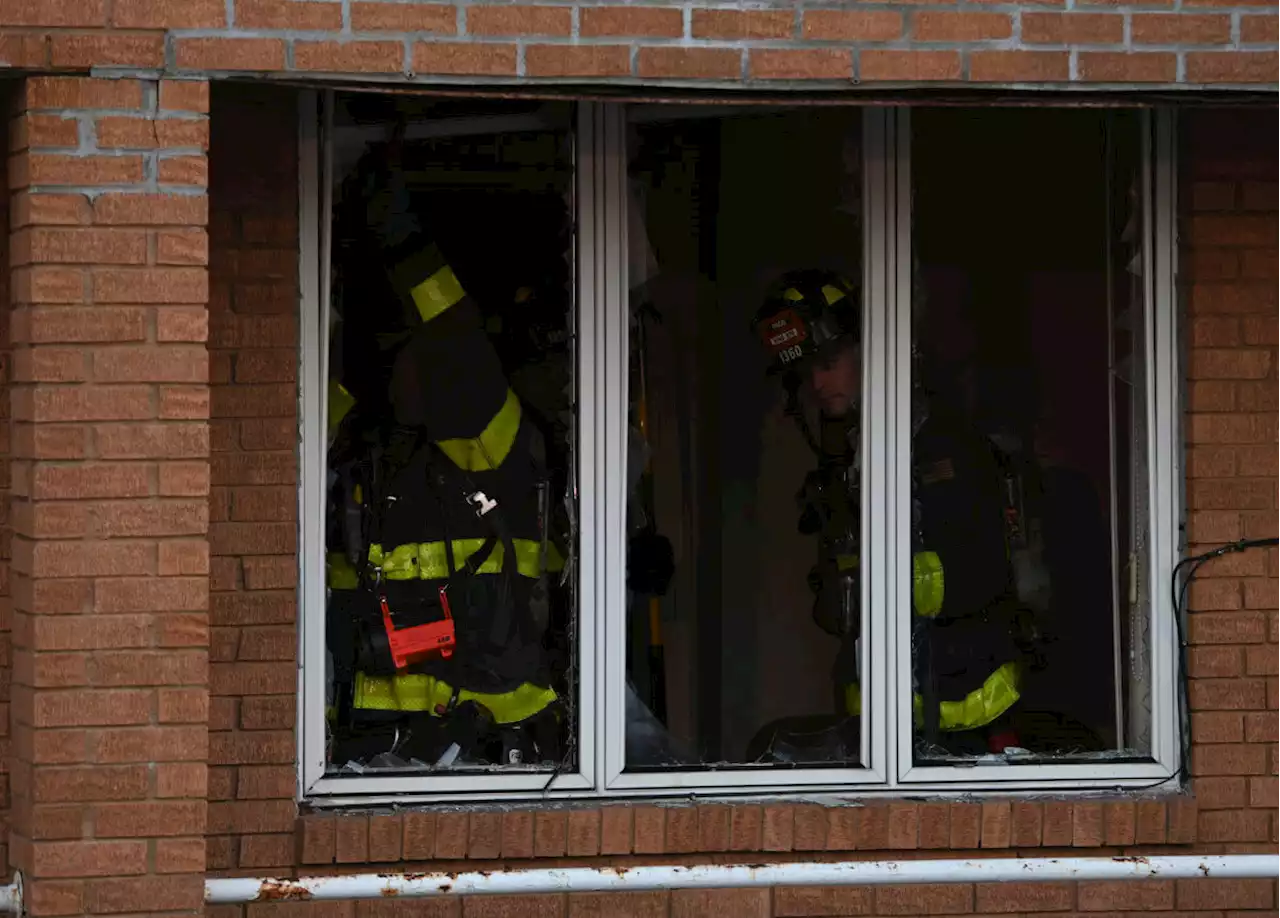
x: 805, y: 314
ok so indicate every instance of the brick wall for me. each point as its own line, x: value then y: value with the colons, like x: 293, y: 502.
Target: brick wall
x: 108, y: 493
x: 1229, y: 265
x: 829, y: 44
x: 253, y: 363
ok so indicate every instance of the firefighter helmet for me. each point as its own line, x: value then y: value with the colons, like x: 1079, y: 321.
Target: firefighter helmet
x: 804, y: 313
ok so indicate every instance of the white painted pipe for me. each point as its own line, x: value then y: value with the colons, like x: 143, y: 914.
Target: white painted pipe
x: 706, y: 876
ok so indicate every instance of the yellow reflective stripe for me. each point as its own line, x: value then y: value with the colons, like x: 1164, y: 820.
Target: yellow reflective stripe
x: 339, y: 572
x: 428, y: 560
x: 416, y: 692
x: 832, y: 295
x: 487, y: 451
x: 340, y: 402
x: 927, y: 583
x: 846, y: 562
x: 792, y: 295
x: 980, y: 707
x: 853, y: 699
x: 437, y: 293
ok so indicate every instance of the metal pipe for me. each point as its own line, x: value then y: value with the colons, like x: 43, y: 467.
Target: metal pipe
x: 706, y: 876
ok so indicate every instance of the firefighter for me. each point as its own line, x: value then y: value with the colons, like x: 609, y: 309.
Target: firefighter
x: 965, y: 632
x: 438, y: 544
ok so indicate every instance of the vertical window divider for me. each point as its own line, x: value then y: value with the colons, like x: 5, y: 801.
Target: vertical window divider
x: 315, y: 141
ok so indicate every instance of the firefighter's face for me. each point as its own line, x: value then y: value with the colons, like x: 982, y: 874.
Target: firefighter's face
x: 836, y: 379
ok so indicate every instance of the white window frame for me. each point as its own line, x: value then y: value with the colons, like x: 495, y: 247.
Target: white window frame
x: 602, y: 348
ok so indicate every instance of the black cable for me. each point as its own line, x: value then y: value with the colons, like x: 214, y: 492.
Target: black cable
x: 1180, y: 592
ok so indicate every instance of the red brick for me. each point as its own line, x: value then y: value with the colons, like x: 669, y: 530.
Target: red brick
x: 997, y: 825
x: 404, y: 17
x: 86, y: 708
x: 1228, y: 627
x: 1146, y: 896
x: 745, y: 25
x: 56, y: 169
x: 154, y: 209
x: 1258, y: 30
x: 586, y: 832
x: 1227, y: 694
x: 480, y: 59
x: 956, y: 27
x: 106, y: 50
x: 1120, y: 824
x: 92, y: 783
x: 1180, y: 28
x: 517, y: 835
x: 966, y: 825
x: 79, y: 246
x: 1260, y: 727
x: 151, y: 441
x: 384, y: 832
x: 266, y: 851
x: 151, y: 819
x: 168, y: 14
x: 152, y: 744
x: 746, y: 828
x: 253, y: 817
x: 1263, y: 791
x: 525, y: 20
x: 822, y: 900
x: 1228, y: 760
x: 47, y: 209
x: 1235, y: 826
x: 184, y: 95
x: 532, y: 906
x: 1072, y: 28
x: 1128, y: 67
x: 550, y: 834
x: 681, y: 830
x: 349, y: 57
x: 183, y: 170
x: 184, y: 247
x: 276, y: 573
x: 935, y: 825
x: 1018, y: 66
x: 637, y: 22
x: 999, y: 898
x: 73, y: 633
x: 24, y: 49
x: 251, y: 679
x: 268, y: 713
x: 847, y: 25
x: 811, y: 64
x: 650, y: 830
x: 810, y: 827
x: 183, y: 705
x: 318, y: 839
x: 417, y: 843
x: 741, y: 903
x: 1231, y: 67
x: 180, y: 855
x: 1221, y: 793
x: 1217, y: 727
x: 44, y: 285
x: 451, y: 836
x: 88, y: 859
x: 1059, y: 825
x: 909, y: 66
x: 56, y: 13
x: 251, y: 54
x: 1152, y: 820
x: 156, y: 894
x: 288, y: 14
x: 689, y: 63
x: 929, y: 899
x: 484, y: 839
x: 778, y: 831
x: 184, y: 479
x: 1230, y: 894
x: 80, y: 92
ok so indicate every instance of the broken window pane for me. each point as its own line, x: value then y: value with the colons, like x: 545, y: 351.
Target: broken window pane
x: 1029, y: 438
x: 450, y: 619
x: 743, y: 515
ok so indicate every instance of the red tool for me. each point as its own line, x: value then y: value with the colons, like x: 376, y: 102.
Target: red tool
x: 417, y: 643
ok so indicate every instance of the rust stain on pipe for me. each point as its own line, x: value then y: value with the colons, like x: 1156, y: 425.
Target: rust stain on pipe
x: 281, y: 891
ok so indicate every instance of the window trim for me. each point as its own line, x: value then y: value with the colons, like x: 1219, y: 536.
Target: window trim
x: 601, y: 334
